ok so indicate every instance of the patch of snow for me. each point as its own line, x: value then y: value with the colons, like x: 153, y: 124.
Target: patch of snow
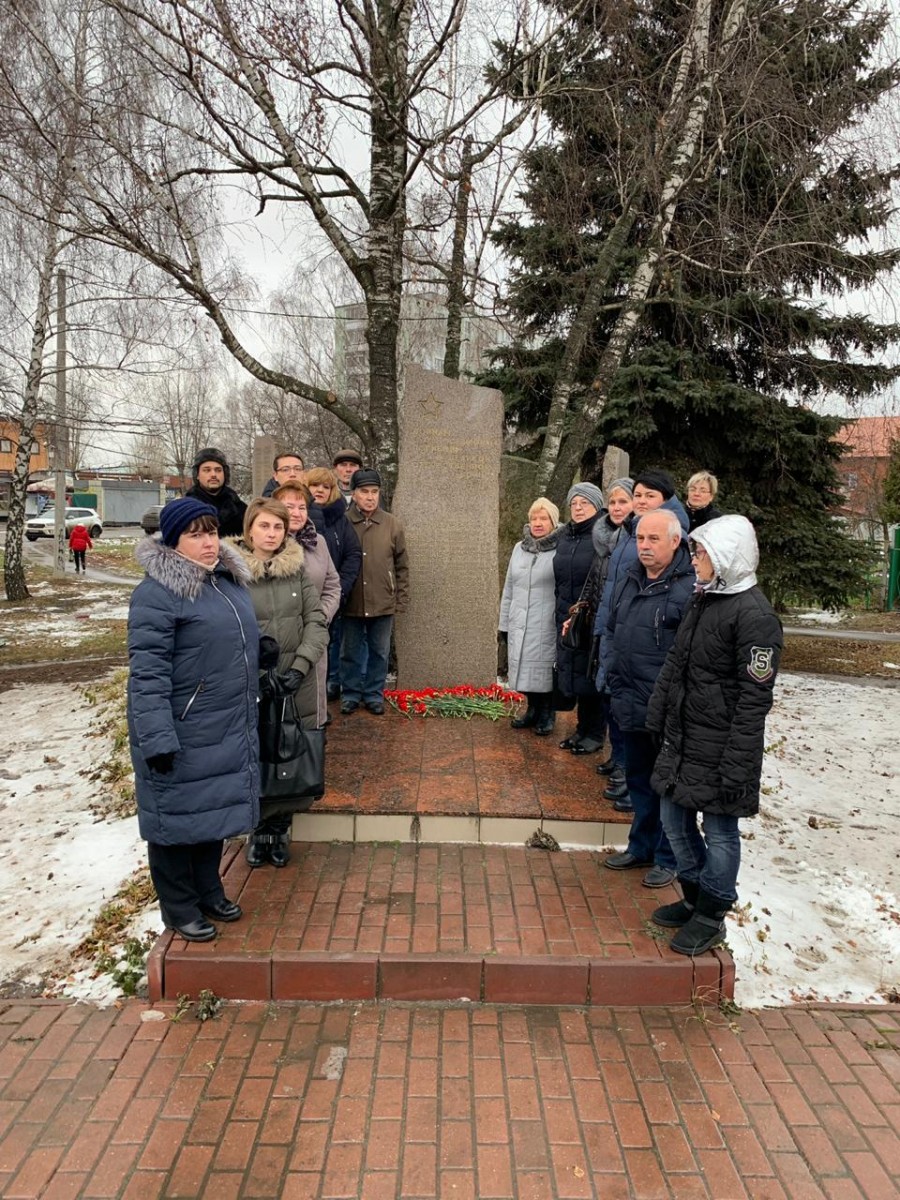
x: 819, y: 914
x: 819, y: 616
x: 59, y: 864
x: 892, y: 666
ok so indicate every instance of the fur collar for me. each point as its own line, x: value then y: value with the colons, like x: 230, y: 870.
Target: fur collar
x: 287, y: 563
x: 181, y: 576
x: 533, y: 545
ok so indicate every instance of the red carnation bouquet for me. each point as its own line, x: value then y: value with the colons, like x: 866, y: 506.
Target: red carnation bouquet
x: 493, y: 702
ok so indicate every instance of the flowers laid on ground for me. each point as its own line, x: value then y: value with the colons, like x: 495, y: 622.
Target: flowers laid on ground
x: 493, y: 702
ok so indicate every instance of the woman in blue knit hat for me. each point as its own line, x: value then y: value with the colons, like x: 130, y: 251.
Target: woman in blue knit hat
x: 193, y: 649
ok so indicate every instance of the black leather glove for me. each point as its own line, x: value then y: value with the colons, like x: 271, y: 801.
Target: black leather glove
x: 288, y: 683
x: 656, y: 739
x: 269, y: 650
x: 162, y: 764
x: 732, y: 796
x: 502, y: 635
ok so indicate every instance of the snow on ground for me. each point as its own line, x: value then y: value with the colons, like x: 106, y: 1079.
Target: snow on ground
x: 58, y: 864
x: 819, y: 912
x: 818, y: 616
x: 820, y: 877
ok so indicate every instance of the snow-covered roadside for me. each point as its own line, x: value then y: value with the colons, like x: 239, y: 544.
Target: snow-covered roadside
x: 819, y: 913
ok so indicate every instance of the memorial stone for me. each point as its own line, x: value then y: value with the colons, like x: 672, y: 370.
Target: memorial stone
x: 615, y: 466
x: 263, y: 456
x: 448, y: 496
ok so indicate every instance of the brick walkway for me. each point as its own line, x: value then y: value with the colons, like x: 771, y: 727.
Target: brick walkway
x: 380, y: 1102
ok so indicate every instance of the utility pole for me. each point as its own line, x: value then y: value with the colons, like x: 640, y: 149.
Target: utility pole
x: 61, y: 440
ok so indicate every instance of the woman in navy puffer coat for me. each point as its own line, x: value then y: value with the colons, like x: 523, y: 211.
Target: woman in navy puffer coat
x: 193, y: 647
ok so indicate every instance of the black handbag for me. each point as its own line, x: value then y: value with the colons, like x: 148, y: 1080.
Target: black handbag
x: 580, y: 632
x: 291, y: 758
x: 559, y: 701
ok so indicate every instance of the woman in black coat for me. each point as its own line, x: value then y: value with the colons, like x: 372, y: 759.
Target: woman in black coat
x: 329, y: 515
x: 709, y: 708
x: 574, y: 566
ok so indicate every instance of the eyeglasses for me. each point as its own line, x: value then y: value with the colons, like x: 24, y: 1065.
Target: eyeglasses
x: 294, y: 467
x: 697, y: 551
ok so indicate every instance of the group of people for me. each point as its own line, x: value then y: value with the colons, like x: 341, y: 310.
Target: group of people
x: 291, y: 598
x: 645, y: 616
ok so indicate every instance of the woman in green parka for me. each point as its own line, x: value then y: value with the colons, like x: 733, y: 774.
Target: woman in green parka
x: 288, y: 608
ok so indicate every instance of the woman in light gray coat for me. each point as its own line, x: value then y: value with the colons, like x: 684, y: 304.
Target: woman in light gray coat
x: 318, y: 565
x: 527, y: 616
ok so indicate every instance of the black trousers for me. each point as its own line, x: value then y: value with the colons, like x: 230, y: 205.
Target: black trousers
x: 185, y: 877
x: 592, y: 717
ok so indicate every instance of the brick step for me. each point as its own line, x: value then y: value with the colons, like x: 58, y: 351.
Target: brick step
x: 495, y: 924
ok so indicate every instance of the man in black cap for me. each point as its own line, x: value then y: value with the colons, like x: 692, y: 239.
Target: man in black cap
x: 345, y: 463
x: 211, y: 473
x: 380, y: 591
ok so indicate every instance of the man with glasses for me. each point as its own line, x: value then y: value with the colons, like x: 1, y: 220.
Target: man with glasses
x: 286, y: 468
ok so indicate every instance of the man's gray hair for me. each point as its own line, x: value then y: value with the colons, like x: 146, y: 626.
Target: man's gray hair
x: 673, y: 525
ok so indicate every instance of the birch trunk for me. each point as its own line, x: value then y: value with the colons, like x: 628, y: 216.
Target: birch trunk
x: 559, y: 471
x: 14, y: 565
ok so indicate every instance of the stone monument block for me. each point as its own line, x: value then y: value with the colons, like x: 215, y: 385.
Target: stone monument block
x: 448, y: 498
x: 615, y: 466
x: 263, y: 454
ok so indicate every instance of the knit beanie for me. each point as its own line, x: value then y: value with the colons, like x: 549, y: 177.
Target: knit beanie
x: 549, y: 508
x: 658, y: 481
x: 210, y: 454
x: 626, y: 484
x: 588, y: 491
x: 175, y: 517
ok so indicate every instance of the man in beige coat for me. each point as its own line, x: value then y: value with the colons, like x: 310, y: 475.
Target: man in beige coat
x: 380, y: 591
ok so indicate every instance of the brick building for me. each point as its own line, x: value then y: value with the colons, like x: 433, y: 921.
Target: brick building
x: 867, y: 450
x: 9, y: 447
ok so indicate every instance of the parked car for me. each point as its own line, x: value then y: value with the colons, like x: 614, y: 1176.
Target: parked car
x: 42, y: 526
x: 150, y: 519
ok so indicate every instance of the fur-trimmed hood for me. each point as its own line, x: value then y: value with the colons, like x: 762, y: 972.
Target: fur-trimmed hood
x: 178, y: 574
x: 287, y: 563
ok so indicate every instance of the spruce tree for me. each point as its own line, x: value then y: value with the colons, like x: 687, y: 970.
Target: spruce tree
x: 739, y: 332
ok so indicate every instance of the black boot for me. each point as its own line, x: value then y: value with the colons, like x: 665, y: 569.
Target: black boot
x: 257, y: 849
x: 546, y: 717
x: 672, y: 916
x: 280, y: 844
x: 617, y: 787
x: 529, y: 716
x: 706, y: 927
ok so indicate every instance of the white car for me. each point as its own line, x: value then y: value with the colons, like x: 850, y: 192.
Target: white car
x: 43, y: 525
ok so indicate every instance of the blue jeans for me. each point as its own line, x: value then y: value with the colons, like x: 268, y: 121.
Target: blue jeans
x: 711, y: 858
x: 365, y: 648
x: 334, y: 651
x: 646, y: 840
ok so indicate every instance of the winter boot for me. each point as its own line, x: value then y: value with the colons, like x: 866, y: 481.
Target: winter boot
x: 529, y: 716
x: 280, y: 845
x: 705, y: 928
x: 672, y: 916
x: 616, y: 787
x: 257, y: 849
x: 546, y: 717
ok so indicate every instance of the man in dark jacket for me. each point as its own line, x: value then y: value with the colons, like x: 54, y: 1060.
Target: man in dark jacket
x: 645, y: 613
x: 211, y: 473
x: 287, y: 467
x: 709, y: 707
x: 380, y: 591
x: 346, y: 463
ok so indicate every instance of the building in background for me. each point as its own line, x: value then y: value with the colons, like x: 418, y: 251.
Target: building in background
x: 9, y: 448
x: 863, y: 468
